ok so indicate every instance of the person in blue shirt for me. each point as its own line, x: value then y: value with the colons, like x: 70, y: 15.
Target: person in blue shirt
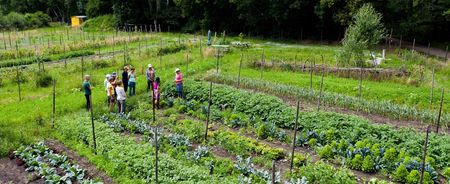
x: 87, y: 88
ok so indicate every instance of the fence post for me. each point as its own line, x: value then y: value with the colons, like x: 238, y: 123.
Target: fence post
x: 262, y: 62
x: 209, y: 111
x: 360, y: 83
x: 93, y: 126
x: 295, y: 135
x: 156, y: 139
x: 321, y: 88
x: 425, y: 146
x: 239, y: 73
x: 160, y: 54
x: 113, y: 45
x: 4, y: 40
x: 400, y: 44
x: 18, y: 83
x: 201, y: 50
x: 82, y: 68
x: 311, y: 73
x: 440, y: 111
x: 446, y: 53
x: 428, y: 50
x: 414, y: 45
x: 187, y: 61
x: 54, y: 103
x: 432, y: 90
x: 217, y: 62
x: 273, y: 172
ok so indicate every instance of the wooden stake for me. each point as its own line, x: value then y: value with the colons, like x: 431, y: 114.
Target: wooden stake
x: 321, y: 89
x: 311, y: 73
x: 446, y: 53
x: 432, y: 90
x: 209, y: 111
x: 425, y: 146
x: 217, y: 62
x: 239, y: 73
x: 360, y: 83
x: 160, y: 55
x: 262, y: 63
x: 295, y: 135
x: 440, y: 111
x: 156, y: 139
x: 273, y: 172
x: 82, y: 68
x: 428, y: 50
x: 187, y: 61
x: 54, y: 103
x: 414, y: 45
x: 400, y: 44
x: 18, y: 83
x: 93, y: 126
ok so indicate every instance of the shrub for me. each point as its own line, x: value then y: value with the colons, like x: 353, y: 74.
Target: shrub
x: 368, y: 165
x: 401, y: 173
x: 357, y: 162
x: 413, y: 177
x: 326, y: 152
x: 43, y: 79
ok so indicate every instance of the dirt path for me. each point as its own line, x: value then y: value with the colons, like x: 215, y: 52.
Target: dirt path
x: 10, y: 172
x: 91, y: 170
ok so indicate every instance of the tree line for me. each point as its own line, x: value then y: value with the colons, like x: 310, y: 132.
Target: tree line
x: 425, y: 20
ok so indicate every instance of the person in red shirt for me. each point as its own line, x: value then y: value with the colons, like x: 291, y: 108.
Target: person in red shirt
x: 179, y: 82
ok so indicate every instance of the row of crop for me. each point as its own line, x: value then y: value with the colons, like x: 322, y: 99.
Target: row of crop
x: 351, y: 129
x: 179, y: 146
x: 42, y: 59
x: 134, y: 160
x: 57, y: 49
x: 54, y: 168
x: 384, y: 108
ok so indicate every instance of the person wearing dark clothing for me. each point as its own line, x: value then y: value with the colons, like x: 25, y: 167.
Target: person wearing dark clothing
x: 87, y: 88
x: 125, y: 78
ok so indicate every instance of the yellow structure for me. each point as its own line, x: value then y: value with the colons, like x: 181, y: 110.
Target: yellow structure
x: 77, y: 20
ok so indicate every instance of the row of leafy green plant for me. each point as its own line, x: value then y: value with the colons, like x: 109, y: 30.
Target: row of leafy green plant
x: 384, y: 108
x: 42, y: 59
x: 169, y: 49
x: 351, y: 128
x: 54, y: 168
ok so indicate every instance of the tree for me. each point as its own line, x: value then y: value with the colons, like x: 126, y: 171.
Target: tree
x: 364, y: 33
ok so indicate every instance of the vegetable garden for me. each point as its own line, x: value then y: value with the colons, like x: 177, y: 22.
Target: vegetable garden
x: 237, y: 123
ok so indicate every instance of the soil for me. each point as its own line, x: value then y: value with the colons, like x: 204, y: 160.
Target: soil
x: 10, y: 172
x: 91, y: 170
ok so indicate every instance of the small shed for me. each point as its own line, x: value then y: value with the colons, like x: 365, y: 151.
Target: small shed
x: 77, y: 20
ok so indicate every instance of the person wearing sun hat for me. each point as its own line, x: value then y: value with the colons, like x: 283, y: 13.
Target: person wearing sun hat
x: 150, y: 76
x: 179, y: 82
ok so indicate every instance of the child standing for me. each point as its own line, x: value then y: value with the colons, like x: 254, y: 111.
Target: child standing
x: 121, y: 97
x: 87, y: 88
x: 156, y: 92
x: 132, y: 81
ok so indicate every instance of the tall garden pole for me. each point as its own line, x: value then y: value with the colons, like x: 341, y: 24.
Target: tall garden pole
x: 4, y: 40
x: 311, y: 73
x: 209, y: 111
x: 446, y: 53
x: 217, y: 62
x: 156, y: 139
x: 414, y: 45
x: 400, y: 44
x: 295, y: 135
x: 262, y: 62
x: 82, y: 68
x: 360, y: 83
x: 93, y: 126
x: 239, y: 73
x: 440, y: 111
x: 113, y: 45
x: 53, y: 103
x: 428, y: 50
x: 273, y: 172
x: 425, y: 146
x: 187, y: 61
x: 432, y: 90
x: 9, y: 36
x: 18, y: 82
x: 321, y: 88
x: 201, y: 52
x: 160, y: 54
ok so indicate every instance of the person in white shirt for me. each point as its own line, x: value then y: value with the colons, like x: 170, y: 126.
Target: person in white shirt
x: 121, y: 97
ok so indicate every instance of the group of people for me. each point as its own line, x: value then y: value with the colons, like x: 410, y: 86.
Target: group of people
x: 116, y: 89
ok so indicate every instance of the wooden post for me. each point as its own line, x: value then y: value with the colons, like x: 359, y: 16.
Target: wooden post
x: 201, y: 50
x: 18, y: 82
x: 139, y: 48
x: 217, y: 62
x: 428, y: 50
x: 390, y: 38
x: 425, y: 146
x: 239, y: 72
x: 360, y: 83
x: 273, y: 172
x: 446, y: 53
x: 160, y: 55
x: 9, y: 36
x: 311, y: 73
x: 156, y: 139
x: 54, y: 103
x: 321, y: 88
x: 295, y: 135
x: 93, y: 126
x: 262, y: 63
x: 295, y: 61
x: 440, y: 111
x: 187, y: 61
x: 209, y: 111
x: 414, y: 45
x: 82, y: 68
x: 4, y: 40
x: 400, y: 44
x: 432, y: 90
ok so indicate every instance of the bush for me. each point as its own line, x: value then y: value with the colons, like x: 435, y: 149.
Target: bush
x: 43, y: 79
x: 401, y: 173
x: 368, y: 165
x: 413, y: 177
x: 19, y: 21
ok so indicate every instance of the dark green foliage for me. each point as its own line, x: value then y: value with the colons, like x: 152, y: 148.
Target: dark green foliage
x: 43, y: 79
x: 170, y: 49
x: 14, y: 21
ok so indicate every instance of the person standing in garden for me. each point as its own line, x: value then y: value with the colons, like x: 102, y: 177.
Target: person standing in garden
x: 179, y: 82
x: 125, y: 78
x: 156, y: 92
x: 105, y: 84
x: 87, y: 88
x: 110, y: 92
x: 150, y: 76
x: 132, y: 81
x: 121, y: 97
